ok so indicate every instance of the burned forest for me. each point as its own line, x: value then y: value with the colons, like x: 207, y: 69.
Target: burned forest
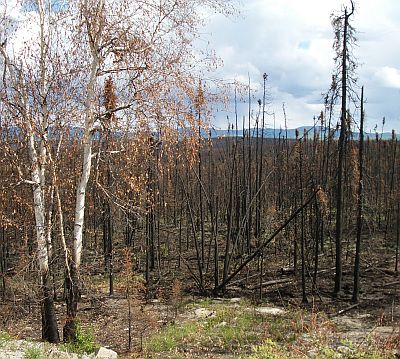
x: 123, y: 210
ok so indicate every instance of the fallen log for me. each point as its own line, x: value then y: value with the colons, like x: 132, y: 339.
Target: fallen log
x: 272, y: 282
x: 389, y: 284
x: 345, y: 310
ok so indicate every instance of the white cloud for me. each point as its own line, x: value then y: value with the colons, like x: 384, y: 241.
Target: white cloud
x: 389, y: 77
x: 21, y: 29
x: 292, y: 42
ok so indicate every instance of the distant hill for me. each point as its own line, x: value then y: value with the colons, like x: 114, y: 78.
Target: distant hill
x: 269, y: 133
x: 290, y: 133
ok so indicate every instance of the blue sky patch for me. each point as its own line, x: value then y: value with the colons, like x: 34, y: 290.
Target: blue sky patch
x: 304, y: 44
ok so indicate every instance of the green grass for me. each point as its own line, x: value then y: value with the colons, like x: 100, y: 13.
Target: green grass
x: 350, y: 353
x: 4, y: 339
x: 268, y: 350
x: 241, y: 332
x: 272, y: 350
x: 232, y: 328
x: 171, y: 337
x: 34, y: 353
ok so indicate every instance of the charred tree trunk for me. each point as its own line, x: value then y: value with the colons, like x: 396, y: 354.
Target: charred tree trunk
x: 340, y: 169
x: 72, y: 298
x: 229, y: 216
x: 49, y: 319
x: 396, y: 265
x: 360, y: 200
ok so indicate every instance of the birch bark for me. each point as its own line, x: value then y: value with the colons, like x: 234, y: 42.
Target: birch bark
x: 73, y: 280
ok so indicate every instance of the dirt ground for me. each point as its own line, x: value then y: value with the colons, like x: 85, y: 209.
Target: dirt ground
x: 108, y: 316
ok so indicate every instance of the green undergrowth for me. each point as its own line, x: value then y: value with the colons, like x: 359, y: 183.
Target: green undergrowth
x: 272, y: 350
x: 85, y: 342
x: 240, y: 331
x: 4, y: 339
x: 228, y: 329
x: 34, y: 353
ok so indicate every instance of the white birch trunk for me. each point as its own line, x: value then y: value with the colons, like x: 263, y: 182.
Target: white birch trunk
x: 73, y: 281
x: 86, y: 166
x: 80, y: 199
x: 38, y: 156
x: 43, y: 123
x: 38, y: 200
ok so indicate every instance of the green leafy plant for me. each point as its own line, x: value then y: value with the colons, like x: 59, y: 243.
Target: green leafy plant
x: 84, y: 343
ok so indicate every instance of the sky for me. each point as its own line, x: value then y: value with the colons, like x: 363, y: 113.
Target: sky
x: 291, y: 41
